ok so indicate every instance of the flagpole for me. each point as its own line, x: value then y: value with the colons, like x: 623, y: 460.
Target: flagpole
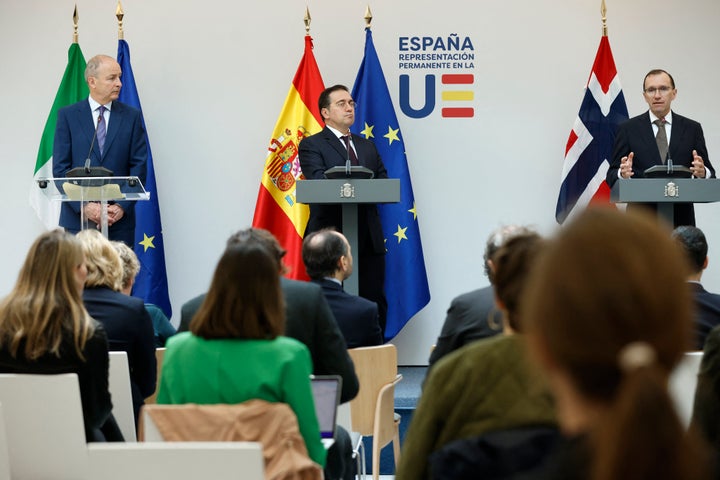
x: 368, y: 17
x: 120, y: 14
x: 307, y: 19
x: 76, y: 17
x: 603, y: 11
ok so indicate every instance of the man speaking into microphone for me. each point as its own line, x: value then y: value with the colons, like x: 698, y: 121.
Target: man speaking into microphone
x: 101, y: 132
x: 335, y: 146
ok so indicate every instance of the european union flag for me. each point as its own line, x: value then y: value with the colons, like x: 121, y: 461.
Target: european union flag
x: 151, y: 282
x: 406, y: 285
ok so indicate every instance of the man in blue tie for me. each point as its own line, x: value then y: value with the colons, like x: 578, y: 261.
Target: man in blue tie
x: 100, y: 131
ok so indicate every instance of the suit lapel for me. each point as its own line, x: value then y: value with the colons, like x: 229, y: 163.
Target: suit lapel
x: 676, y: 135
x: 117, y: 115
x: 335, y: 143
x: 84, y: 118
x: 648, y: 135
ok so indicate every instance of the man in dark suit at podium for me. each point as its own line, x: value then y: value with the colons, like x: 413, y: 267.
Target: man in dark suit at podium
x: 329, y: 262
x: 707, y: 305
x: 657, y: 136
x: 101, y: 132
x: 336, y: 146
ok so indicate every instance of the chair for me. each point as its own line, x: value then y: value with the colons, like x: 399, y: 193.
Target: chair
x: 373, y: 409
x: 44, y: 426
x: 186, y: 460
x: 682, y: 385
x: 273, y: 425
x: 121, y: 393
x: 159, y: 355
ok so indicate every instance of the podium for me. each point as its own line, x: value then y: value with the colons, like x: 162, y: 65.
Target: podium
x: 93, y: 189
x: 349, y: 192
x: 666, y: 192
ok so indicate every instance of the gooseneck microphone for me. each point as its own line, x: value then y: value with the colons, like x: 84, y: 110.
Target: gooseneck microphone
x: 348, y: 163
x: 92, y: 144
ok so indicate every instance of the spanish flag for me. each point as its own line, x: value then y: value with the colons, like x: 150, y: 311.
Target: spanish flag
x: 276, y: 209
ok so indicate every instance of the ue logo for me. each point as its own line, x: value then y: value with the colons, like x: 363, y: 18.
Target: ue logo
x: 452, y: 99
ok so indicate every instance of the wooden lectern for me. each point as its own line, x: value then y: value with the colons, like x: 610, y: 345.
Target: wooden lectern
x: 666, y: 192
x: 349, y: 192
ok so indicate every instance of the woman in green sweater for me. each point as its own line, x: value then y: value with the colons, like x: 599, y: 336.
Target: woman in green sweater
x: 235, y: 350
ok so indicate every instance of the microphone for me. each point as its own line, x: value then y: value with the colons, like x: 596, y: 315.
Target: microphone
x: 348, y: 163
x: 669, y: 166
x: 92, y: 144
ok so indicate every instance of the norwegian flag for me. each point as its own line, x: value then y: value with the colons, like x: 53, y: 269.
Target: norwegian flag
x: 588, y: 149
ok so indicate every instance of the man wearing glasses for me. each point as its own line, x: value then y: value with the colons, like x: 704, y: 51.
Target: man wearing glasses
x: 658, y: 135
x: 335, y: 146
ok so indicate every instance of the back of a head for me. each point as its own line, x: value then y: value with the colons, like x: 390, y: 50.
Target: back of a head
x: 244, y: 299
x: 512, y: 264
x: 321, y: 251
x: 608, y: 304
x: 496, y: 239
x: 130, y: 263
x: 46, y: 301
x: 262, y: 237
x: 692, y: 240
x: 104, y: 267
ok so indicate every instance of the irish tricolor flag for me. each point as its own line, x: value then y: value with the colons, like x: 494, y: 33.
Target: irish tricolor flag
x: 72, y: 89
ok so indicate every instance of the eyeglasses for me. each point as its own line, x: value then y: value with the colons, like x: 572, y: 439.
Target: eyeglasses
x: 662, y: 90
x: 344, y: 103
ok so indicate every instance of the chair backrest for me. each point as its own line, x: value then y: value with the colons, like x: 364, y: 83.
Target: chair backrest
x: 159, y: 356
x: 178, y: 461
x: 121, y: 393
x: 274, y: 425
x: 376, y: 367
x: 4, y: 456
x: 682, y: 385
x: 44, y: 426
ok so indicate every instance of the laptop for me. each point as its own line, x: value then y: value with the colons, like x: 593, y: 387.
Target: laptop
x: 326, y: 394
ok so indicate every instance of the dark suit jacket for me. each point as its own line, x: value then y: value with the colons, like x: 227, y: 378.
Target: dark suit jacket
x: 324, y: 150
x: 125, y: 153
x: 707, y: 313
x: 129, y: 329
x: 309, y: 320
x: 636, y: 135
x: 356, y: 316
x: 471, y: 316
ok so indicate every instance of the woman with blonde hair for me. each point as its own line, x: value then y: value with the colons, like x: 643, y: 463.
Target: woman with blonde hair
x: 125, y: 319
x: 608, y: 316
x: 45, y: 329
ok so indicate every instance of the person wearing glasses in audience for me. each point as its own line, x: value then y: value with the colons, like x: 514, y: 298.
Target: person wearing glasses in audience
x: 334, y: 146
x: 656, y: 136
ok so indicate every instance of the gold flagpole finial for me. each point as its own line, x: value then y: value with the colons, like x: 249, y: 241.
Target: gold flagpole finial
x: 76, y: 17
x: 603, y: 11
x: 119, y: 14
x: 368, y: 17
x: 307, y: 20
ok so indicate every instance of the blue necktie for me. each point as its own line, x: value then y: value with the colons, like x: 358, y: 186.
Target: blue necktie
x: 101, y: 128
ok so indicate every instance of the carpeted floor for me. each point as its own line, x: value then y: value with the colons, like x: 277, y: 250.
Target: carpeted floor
x: 407, y: 393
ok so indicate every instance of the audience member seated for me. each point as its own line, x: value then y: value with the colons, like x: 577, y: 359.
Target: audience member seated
x: 308, y: 319
x: 235, y: 350
x: 485, y: 386
x: 328, y: 262
x: 608, y: 317
x: 707, y: 305
x: 473, y: 315
x: 131, y: 266
x: 45, y: 329
x: 706, y: 408
x: 125, y: 319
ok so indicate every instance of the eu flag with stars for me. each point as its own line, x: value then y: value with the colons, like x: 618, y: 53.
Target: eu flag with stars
x: 151, y: 282
x: 406, y: 284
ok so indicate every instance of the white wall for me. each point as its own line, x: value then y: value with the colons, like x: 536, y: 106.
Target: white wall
x: 212, y: 77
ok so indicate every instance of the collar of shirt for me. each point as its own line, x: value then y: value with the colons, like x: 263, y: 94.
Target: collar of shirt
x: 333, y: 279
x: 93, y: 108
x: 338, y: 133
x: 668, y: 118
x: 668, y: 124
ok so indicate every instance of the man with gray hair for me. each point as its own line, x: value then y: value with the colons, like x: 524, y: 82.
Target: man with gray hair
x: 473, y: 316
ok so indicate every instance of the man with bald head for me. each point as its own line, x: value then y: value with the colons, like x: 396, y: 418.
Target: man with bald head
x: 328, y: 262
x: 101, y: 132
